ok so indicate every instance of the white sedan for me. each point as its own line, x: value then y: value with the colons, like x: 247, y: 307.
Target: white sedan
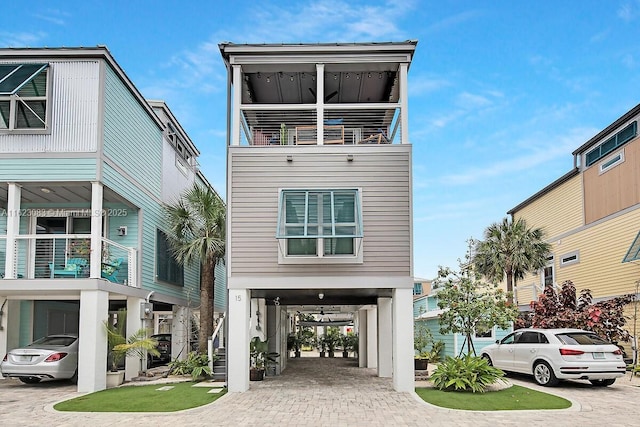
x: 551, y: 355
x: 54, y: 357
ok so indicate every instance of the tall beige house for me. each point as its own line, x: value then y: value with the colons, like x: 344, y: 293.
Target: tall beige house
x: 591, y: 216
x: 319, y: 197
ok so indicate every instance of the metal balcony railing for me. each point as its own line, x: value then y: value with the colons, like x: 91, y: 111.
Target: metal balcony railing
x: 67, y: 256
x: 359, y: 124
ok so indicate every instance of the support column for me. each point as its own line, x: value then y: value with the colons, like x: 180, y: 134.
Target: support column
x: 372, y: 338
x: 403, y: 375
x: 92, y: 350
x: 133, y: 364
x: 235, y: 106
x: 13, y: 229
x: 320, y: 103
x: 180, y: 332
x: 238, y: 342
x: 404, y: 103
x: 95, y: 259
x: 362, y: 338
x: 9, y: 325
x: 385, y: 338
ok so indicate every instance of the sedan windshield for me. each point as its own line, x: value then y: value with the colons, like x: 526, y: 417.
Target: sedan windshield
x: 581, y: 339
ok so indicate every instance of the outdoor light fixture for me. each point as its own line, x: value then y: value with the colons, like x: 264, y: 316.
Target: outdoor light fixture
x: 349, y: 157
x: 320, y: 295
x: 45, y: 190
x: 289, y: 158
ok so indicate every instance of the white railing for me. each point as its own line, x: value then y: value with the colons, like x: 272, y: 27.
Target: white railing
x: 67, y: 256
x: 211, y: 340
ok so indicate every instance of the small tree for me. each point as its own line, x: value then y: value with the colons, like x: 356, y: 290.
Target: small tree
x: 566, y: 310
x: 471, y: 305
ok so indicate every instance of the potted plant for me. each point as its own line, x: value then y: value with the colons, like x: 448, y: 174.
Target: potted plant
x: 119, y: 347
x: 322, y: 346
x: 349, y: 343
x: 422, y: 338
x: 260, y: 357
x: 332, y: 339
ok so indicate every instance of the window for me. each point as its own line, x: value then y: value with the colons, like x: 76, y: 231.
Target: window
x: 570, y: 258
x: 483, y: 330
x: 167, y: 269
x: 417, y: 288
x: 23, y: 96
x: 319, y: 223
x: 612, y: 161
x: 626, y: 134
x: 547, y: 272
x: 633, y: 254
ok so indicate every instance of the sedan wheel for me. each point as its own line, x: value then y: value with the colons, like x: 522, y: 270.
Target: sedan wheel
x: 603, y: 383
x: 544, y: 375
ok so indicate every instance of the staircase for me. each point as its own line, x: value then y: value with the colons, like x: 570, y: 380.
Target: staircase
x: 220, y: 366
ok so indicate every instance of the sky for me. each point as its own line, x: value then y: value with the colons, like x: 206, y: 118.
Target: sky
x: 500, y: 92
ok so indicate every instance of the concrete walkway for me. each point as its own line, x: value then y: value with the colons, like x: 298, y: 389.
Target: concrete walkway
x: 328, y: 392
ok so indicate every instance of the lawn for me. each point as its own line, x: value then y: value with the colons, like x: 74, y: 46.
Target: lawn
x: 512, y: 398
x: 145, y: 398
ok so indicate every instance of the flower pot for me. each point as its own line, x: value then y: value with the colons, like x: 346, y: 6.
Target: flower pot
x: 114, y: 379
x: 331, y: 354
x: 322, y: 354
x: 345, y: 354
x: 256, y: 374
x: 421, y: 364
x: 297, y: 353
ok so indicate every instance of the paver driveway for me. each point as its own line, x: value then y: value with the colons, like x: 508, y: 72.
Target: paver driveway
x: 327, y: 392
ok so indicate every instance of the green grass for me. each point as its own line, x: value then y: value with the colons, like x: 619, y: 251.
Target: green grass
x: 512, y: 398
x: 142, y: 399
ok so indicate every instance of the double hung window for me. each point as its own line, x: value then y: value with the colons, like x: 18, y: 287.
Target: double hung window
x: 23, y: 97
x: 319, y: 223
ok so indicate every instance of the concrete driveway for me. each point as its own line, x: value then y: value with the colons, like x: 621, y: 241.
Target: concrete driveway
x: 329, y: 392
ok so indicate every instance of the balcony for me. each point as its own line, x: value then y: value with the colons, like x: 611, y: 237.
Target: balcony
x: 67, y: 257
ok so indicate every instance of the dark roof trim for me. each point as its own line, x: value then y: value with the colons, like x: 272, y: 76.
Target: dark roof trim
x: 566, y: 177
x: 98, y: 52
x: 606, y: 131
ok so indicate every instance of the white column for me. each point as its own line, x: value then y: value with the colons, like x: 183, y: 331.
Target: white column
x: 320, y: 103
x: 403, y: 375
x: 180, y: 331
x: 96, y: 230
x: 372, y: 338
x: 13, y: 229
x: 362, y: 338
x: 132, y: 363
x: 238, y: 340
x: 404, y: 103
x: 92, y: 350
x: 236, y: 100
x: 9, y: 325
x: 385, y: 338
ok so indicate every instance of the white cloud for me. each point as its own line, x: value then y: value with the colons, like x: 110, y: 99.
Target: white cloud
x: 21, y: 39
x: 453, y: 21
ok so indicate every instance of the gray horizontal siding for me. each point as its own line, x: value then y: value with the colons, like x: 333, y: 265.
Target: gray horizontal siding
x: 383, y: 175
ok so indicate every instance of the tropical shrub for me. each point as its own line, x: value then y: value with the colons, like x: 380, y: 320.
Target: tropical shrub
x: 467, y: 373
x: 196, y: 365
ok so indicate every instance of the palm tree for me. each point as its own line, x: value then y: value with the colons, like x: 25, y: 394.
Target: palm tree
x: 197, y: 223
x: 510, y: 249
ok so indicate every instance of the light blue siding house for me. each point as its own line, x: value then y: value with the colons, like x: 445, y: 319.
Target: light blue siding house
x: 86, y: 164
x: 426, y: 312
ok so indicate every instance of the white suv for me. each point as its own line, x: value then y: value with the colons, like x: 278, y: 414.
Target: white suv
x: 555, y: 354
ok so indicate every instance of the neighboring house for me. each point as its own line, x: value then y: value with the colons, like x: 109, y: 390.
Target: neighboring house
x: 319, y: 196
x: 591, y: 217
x: 85, y: 166
x: 427, y: 313
x: 421, y: 287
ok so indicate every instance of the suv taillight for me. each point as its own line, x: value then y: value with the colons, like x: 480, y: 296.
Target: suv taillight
x: 618, y: 352
x: 570, y: 352
x: 6, y: 356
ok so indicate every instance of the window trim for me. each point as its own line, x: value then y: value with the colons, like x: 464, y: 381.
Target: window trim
x: 573, y: 254
x: 319, y: 257
x: 491, y: 337
x: 609, y: 163
x: 13, y: 98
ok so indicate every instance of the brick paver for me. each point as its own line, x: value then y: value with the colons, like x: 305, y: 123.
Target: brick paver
x: 328, y: 392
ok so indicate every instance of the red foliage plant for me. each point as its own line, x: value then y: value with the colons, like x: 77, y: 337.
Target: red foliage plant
x: 565, y: 310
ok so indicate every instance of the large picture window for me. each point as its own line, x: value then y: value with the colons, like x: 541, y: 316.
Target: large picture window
x: 319, y: 223
x: 167, y: 268
x: 23, y: 96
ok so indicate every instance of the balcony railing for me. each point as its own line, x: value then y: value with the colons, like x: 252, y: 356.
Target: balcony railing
x: 67, y: 256
x: 295, y: 124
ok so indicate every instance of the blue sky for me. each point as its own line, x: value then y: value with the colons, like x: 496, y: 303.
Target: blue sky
x: 501, y: 92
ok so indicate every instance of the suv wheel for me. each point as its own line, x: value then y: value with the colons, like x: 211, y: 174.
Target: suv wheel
x: 543, y: 374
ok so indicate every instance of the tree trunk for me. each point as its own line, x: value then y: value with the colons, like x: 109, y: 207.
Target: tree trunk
x: 510, y: 286
x: 207, y: 279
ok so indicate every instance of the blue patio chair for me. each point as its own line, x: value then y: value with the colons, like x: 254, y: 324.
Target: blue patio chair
x: 110, y: 270
x: 73, y: 268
